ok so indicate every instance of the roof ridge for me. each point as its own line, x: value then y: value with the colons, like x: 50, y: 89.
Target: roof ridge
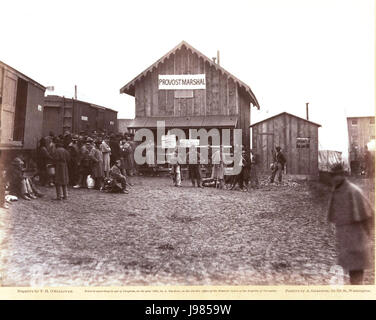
x: 285, y: 112
x: 189, y: 47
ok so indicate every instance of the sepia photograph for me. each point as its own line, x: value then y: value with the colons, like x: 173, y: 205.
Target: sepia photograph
x: 200, y: 143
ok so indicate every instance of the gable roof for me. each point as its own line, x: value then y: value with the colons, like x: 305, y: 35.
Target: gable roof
x: 289, y: 114
x: 129, y: 88
x: 21, y: 75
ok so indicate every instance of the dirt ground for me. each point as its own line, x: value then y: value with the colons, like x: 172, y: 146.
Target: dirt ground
x: 162, y: 235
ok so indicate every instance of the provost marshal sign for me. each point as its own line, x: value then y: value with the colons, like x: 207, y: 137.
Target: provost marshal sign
x: 181, y: 81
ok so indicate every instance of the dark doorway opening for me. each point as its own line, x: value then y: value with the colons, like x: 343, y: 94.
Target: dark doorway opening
x: 20, y: 112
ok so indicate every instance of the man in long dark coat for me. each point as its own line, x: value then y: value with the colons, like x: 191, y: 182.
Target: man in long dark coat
x: 61, y: 157
x: 194, y: 167
x: 115, y: 149
x: 353, y: 217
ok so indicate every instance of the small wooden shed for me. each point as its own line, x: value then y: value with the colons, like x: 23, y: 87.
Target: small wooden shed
x: 62, y: 114
x: 297, y: 137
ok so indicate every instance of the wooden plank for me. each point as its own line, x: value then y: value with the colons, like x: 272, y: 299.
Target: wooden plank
x: 287, y: 143
x: 147, y: 95
x: 176, y: 68
x: 265, y: 146
x: 208, y: 106
x: 231, y: 97
x: 224, y: 94
x: 215, y: 91
x: 190, y: 101
x: 293, y: 134
x: 162, y: 100
x: 236, y: 99
x: 170, y: 93
x: 138, y: 100
x: 196, y: 93
x: 203, y: 92
x: 154, y: 94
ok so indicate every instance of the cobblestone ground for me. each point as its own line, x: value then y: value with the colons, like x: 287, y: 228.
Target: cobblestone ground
x: 163, y: 235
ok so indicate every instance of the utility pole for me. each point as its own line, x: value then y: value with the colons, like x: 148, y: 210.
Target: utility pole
x: 307, y: 103
x: 75, y: 92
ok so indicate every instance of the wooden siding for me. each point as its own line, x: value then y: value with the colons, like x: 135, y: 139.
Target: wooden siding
x: 34, y: 117
x: 283, y: 131
x: 66, y: 114
x: 219, y: 97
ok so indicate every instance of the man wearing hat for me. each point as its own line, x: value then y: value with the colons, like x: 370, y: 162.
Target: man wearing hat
x: 74, y: 152
x: 353, y: 217
x: 84, y: 163
x: 279, y: 162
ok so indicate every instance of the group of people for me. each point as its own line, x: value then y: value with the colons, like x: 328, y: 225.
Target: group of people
x: 246, y: 176
x: 73, y: 158
x: 95, y: 161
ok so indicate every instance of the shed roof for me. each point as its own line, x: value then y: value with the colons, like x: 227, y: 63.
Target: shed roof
x: 53, y: 101
x: 22, y: 76
x: 361, y: 117
x: 129, y: 88
x: 286, y: 113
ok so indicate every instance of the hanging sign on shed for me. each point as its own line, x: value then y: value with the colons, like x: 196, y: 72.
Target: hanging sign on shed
x: 187, y: 143
x: 181, y: 81
x: 168, y: 141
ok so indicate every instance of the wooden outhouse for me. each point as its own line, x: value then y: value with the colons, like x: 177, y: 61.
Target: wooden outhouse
x: 21, y: 110
x: 297, y: 137
x: 188, y: 90
x: 76, y: 116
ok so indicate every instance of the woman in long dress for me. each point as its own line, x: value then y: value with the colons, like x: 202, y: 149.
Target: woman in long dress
x: 106, y: 151
x: 96, y: 158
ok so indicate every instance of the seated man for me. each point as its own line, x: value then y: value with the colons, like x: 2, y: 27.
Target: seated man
x: 117, y: 176
x: 21, y: 185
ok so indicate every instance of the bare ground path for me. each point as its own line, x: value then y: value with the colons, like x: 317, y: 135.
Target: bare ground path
x: 159, y: 235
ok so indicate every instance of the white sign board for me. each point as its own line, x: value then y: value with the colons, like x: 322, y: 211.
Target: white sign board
x: 84, y: 118
x: 40, y: 108
x: 168, y: 141
x: 187, y: 143
x: 181, y: 81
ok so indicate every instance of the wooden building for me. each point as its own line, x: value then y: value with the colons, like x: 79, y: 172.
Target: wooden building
x: 219, y: 100
x: 21, y: 110
x: 361, y: 131
x: 297, y: 137
x: 76, y: 116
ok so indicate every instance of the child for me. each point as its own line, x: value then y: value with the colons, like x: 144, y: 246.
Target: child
x: 352, y: 216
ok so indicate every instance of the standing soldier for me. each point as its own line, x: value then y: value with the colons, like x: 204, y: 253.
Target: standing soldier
x: 74, y: 152
x: 194, y: 167
x: 353, y: 217
x: 279, y: 162
x: 61, y: 157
